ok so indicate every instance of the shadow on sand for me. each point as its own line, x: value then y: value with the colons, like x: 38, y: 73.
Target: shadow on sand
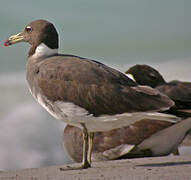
x: 165, y: 164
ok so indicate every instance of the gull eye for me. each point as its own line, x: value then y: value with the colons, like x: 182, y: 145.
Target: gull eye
x: 152, y: 75
x: 28, y: 29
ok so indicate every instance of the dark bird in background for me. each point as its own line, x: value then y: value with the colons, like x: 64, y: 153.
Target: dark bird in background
x: 145, y: 138
x: 178, y: 91
x: 83, y: 92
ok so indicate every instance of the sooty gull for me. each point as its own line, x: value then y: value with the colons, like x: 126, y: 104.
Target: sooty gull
x: 83, y: 92
x: 178, y: 91
x: 145, y: 138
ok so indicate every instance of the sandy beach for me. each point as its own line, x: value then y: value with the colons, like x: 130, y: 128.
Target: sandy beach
x: 166, y: 168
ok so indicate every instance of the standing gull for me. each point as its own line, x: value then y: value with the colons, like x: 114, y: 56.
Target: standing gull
x: 83, y: 92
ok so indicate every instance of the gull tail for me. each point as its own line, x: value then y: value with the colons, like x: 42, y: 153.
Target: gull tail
x: 106, y: 123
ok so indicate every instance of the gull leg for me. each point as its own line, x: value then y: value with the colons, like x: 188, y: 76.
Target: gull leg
x: 86, y: 161
x: 90, y: 145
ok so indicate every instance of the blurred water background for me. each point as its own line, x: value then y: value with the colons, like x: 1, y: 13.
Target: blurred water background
x: 118, y: 33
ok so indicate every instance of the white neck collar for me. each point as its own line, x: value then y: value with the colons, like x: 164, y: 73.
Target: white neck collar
x: 43, y: 51
x: 130, y: 76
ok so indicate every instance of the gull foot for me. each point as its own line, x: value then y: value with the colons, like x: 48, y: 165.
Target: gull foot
x: 83, y: 166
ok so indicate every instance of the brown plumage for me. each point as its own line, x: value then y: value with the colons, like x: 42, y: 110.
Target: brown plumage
x: 91, y: 85
x: 178, y: 91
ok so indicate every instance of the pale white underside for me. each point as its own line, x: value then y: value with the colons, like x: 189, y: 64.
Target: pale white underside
x: 130, y: 76
x: 113, y: 153
x: 43, y: 51
x: 167, y: 140
x: 118, y: 151
x: 75, y: 115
